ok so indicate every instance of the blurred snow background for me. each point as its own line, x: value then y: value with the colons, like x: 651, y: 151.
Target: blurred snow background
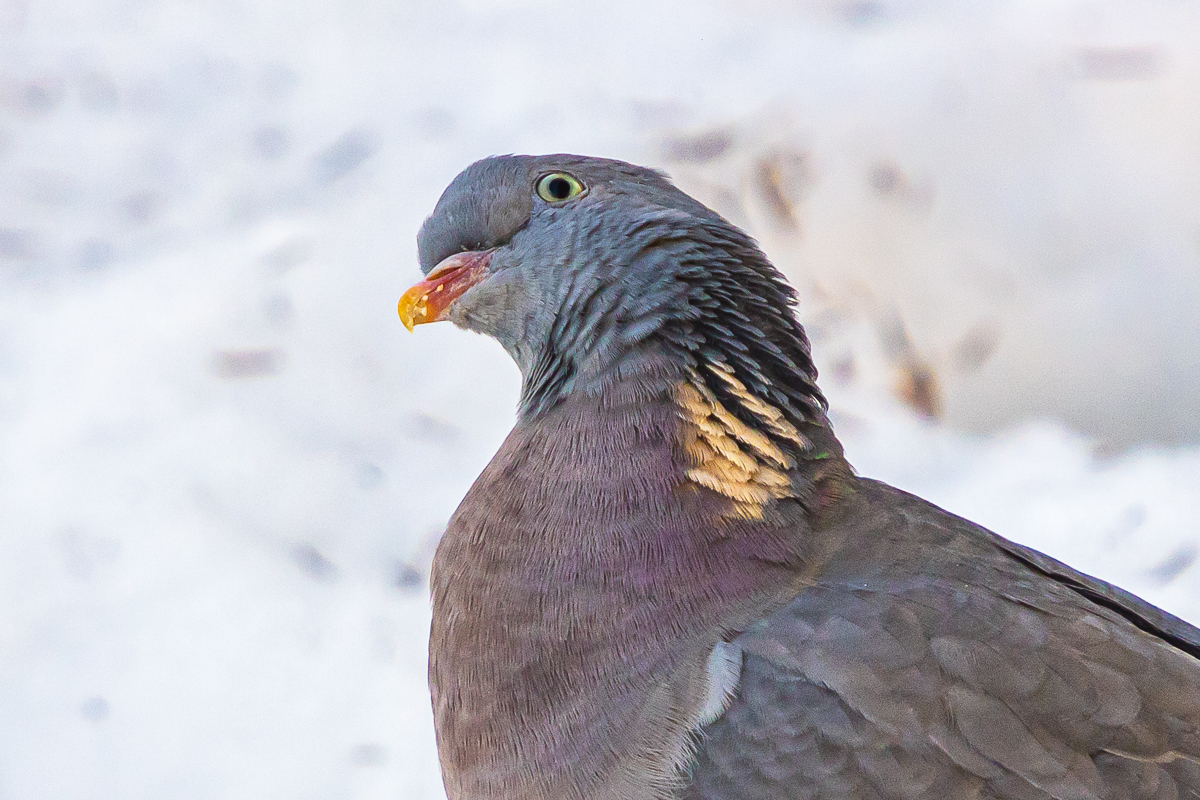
x: 223, y: 464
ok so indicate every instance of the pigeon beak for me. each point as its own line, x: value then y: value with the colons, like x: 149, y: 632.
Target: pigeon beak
x: 445, y: 283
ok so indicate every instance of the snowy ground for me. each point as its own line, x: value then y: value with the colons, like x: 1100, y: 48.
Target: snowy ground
x: 223, y: 461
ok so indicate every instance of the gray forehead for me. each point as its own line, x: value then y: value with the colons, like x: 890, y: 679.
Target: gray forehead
x: 493, y: 199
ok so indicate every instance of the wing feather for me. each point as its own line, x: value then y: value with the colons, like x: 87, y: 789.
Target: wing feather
x: 952, y: 663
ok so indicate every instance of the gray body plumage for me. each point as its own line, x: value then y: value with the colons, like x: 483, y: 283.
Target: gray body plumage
x: 670, y: 583
x: 933, y: 659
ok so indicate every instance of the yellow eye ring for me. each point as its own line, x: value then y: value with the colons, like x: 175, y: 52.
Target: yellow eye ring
x: 558, y: 187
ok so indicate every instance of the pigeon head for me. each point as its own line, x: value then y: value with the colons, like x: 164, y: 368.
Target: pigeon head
x: 592, y: 272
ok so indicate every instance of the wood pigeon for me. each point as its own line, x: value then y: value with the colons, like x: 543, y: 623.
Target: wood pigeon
x: 669, y: 582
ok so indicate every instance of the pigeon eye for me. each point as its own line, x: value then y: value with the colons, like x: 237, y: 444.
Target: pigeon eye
x: 558, y: 186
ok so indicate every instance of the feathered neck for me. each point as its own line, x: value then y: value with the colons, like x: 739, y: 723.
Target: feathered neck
x: 688, y: 301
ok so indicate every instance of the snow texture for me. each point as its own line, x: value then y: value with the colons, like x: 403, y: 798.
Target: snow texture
x: 224, y: 464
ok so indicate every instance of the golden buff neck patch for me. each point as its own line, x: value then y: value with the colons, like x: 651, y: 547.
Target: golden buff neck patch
x: 728, y: 456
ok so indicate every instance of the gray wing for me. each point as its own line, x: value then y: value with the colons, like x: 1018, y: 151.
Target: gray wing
x: 945, y: 662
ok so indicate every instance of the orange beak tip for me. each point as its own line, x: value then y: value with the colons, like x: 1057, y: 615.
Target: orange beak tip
x: 428, y: 300
x: 411, y: 308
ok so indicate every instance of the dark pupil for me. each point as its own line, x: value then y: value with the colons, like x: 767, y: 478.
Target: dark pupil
x: 559, y: 188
